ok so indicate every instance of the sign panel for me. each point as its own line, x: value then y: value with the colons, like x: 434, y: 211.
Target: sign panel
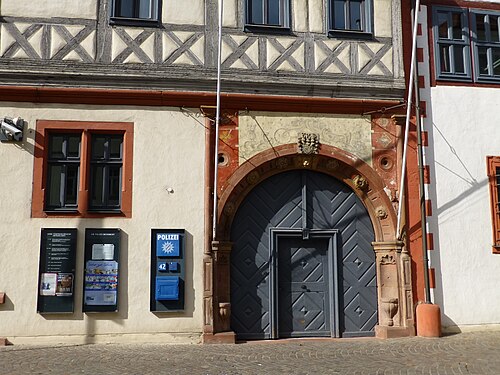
x: 100, y: 291
x: 57, y: 271
x: 167, y: 244
x: 167, y: 269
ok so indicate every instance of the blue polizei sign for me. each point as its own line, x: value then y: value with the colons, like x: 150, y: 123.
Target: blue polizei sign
x: 167, y: 244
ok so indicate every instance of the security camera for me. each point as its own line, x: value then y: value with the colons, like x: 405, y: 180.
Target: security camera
x: 11, y: 129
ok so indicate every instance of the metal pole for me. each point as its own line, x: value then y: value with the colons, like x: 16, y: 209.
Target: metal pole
x: 407, y: 122
x: 217, y: 123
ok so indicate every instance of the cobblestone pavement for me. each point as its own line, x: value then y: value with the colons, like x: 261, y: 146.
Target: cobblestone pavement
x: 466, y: 353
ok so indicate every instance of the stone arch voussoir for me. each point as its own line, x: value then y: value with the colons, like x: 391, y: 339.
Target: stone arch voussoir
x: 344, y: 166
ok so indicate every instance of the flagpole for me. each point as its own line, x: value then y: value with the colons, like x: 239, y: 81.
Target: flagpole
x: 217, y: 123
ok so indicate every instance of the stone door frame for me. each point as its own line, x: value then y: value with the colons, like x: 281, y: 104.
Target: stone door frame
x: 393, y: 263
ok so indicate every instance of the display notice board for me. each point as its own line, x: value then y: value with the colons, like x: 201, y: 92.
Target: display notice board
x: 56, y: 271
x: 167, y: 270
x: 102, y: 254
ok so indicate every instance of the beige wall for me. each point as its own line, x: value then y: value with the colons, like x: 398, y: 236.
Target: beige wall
x: 168, y: 152
x: 258, y: 131
x: 190, y: 12
x: 49, y: 8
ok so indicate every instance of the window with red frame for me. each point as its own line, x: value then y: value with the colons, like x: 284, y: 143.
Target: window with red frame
x: 82, y: 169
x: 494, y: 182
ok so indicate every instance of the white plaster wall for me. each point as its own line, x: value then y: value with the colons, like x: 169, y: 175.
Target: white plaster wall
x: 168, y: 152
x: 230, y: 13
x: 382, y: 11
x: 190, y: 12
x: 49, y: 8
x: 465, y: 131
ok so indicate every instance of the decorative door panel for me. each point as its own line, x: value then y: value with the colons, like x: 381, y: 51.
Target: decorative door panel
x: 304, y: 286
x: 312, y: 201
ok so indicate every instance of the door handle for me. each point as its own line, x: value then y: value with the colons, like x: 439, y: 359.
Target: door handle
x: 303, y: 287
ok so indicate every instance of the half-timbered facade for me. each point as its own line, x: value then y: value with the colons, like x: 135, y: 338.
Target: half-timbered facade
x: 118, y: 102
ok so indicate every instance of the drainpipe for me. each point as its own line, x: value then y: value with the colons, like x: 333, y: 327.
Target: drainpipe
x: 428, y: 315
x: 217, y: 123
x: 407, y: 122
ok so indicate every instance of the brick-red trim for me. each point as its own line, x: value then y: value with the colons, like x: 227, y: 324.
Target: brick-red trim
x: 254, y: 102
x: 43, y: 127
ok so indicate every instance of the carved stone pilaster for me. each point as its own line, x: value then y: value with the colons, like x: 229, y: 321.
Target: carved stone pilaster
x: 222, y: 262
x: 394, y: 290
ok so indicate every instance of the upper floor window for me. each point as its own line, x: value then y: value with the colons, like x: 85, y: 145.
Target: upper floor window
x: 486, y: 40
x: 349, y: 15
x: 268, y: 13
x: 457, y: 44
x: 451, y: 42
x: 135, y: 12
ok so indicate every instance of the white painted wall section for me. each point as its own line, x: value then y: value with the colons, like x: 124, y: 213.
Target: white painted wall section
x: 168, y: 152
x: 466, y: 130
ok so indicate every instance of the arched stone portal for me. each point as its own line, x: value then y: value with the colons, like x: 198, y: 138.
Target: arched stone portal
x: 393, y: 268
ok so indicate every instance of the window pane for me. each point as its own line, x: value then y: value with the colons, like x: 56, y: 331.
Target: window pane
x: 256, y: 11
x: 273, y: 12
x: 481, y: 26
x: 145, y: 9
x: 355, y: 15
x: 114, y: 186
x: 458, y: 55
x: 56, y: 147
x: 73, y: 147
x: 483, y: 60
x: 339, y: 14
x: 71, y: 184
x: 98, y: 147
x: 97, y: 191
x: 124, y: 8
x: 115, y: 148
x: 496, y: 61
x: 54, y: 186
x: 443, y: 25
x: 444, y: 55
x: 457, y: 25
x: 494, y: 28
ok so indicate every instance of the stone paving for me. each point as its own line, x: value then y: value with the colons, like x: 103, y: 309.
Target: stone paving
x: 465, y: 353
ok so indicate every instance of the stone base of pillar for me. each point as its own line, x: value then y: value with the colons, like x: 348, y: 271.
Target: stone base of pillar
x: 219, y: 338
x: 386, y: 332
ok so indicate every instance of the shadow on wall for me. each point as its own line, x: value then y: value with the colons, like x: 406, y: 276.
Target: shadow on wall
x: 189, y: 293
x: 91, y: 329
x: 436, y: 219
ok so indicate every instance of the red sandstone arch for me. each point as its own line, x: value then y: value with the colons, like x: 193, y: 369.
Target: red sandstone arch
x: 344, y: 166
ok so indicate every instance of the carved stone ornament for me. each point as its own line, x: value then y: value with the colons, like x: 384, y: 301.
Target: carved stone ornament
x: 229, y: 209
x: 332, y: 164
x: 360, y: 182
x: 253, y: 177
x: 389, y: 309
x: 282, y: 163
x: 387, y: 259
x: 308, y: 143
x: 381, y: 213
x: 225, y: 314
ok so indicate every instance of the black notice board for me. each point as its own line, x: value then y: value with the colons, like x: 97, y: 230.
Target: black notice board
x: 56, y: 272
x: 102, y: 258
